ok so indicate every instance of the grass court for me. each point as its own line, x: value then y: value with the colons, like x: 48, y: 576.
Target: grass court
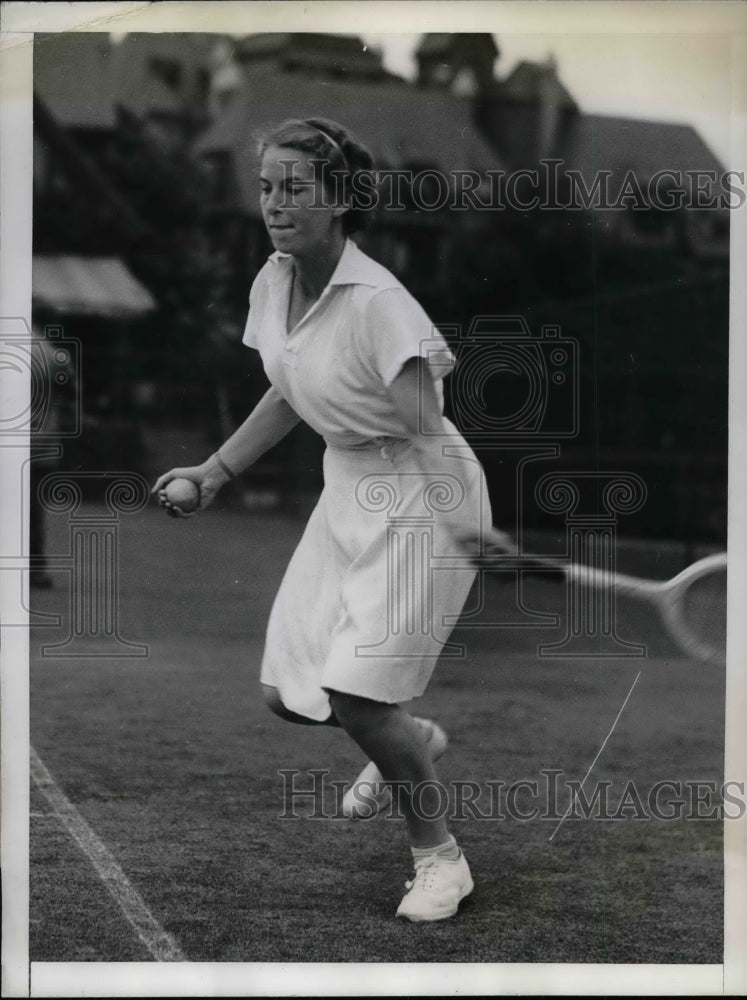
x: 173, y: 762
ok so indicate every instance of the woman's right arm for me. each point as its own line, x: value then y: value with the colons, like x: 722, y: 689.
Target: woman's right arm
x: 270, y: 420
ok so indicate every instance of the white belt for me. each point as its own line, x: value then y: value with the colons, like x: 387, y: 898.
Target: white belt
x: 386, y: 445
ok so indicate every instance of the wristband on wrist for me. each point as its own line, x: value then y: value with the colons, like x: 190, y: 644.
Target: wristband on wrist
x: 223, y: 466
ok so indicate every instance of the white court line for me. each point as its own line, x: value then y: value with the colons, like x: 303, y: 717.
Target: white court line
x: 161, y: 945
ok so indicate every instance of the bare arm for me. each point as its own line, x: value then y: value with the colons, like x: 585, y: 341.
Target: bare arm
x: 414, y: 396
x: 270, y: 420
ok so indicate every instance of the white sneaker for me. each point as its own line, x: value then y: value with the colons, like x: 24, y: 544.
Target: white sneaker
x: 369, y: 794
x: 437, y: 889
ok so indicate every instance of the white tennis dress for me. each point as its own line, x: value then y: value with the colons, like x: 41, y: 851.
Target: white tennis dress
x: 379, y: 576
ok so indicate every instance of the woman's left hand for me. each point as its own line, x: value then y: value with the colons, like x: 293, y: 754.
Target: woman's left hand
x: 492, y: 542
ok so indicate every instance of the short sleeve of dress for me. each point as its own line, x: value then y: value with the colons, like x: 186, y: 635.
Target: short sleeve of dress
x: 249, y: 338
x: 397, y: 329
x: 257, y: 304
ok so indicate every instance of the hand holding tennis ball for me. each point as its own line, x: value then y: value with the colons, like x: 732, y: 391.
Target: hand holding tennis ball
x: 184, y: 494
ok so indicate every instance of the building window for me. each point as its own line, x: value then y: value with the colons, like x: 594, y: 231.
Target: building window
x: 442, y: 74
x: 708, y: 232
x: 218, y: 169
x: 168, y: 71
x: 650, y: 226
x: 720, y: 227
x: 429, y: 189
x: 203, y: 85
x: 465, y: 83
x: 422, y: 256
x: 400, y: 257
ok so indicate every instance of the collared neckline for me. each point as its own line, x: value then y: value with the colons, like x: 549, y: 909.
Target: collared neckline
x: 353, y: 267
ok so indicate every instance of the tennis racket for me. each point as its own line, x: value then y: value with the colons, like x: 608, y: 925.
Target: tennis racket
x: 692, y: 605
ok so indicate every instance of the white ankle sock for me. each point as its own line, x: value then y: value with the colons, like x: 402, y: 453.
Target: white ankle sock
x: 449, y: 850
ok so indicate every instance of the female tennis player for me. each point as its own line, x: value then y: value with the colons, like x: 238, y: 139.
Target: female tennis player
x: 354, y: 630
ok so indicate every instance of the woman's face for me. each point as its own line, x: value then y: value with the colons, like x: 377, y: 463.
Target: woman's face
x: 296, y: 206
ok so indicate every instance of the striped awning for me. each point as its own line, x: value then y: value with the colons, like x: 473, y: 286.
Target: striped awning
x: 95, y: 286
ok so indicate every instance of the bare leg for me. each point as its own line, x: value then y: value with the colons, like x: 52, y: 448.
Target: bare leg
x: 272, y: 697
x: 394, y: 742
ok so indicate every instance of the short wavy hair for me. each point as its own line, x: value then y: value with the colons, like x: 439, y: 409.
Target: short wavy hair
x: 343, y: 154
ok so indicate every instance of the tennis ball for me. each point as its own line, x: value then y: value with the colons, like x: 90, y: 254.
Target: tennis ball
x: 184, y: 494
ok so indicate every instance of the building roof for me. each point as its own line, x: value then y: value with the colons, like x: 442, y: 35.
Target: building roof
x: 596, y: 142
x: 590, y: 143
x: 82, y: 76
x: 443, y: 44
x: 72, y: 75
x: 402, y: 126
x: 162, y: 72
x: 535, y: 83
x: 435, y: 43
x: 336, y: 54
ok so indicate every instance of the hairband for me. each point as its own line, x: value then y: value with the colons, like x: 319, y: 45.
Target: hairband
x: 331, y: 141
